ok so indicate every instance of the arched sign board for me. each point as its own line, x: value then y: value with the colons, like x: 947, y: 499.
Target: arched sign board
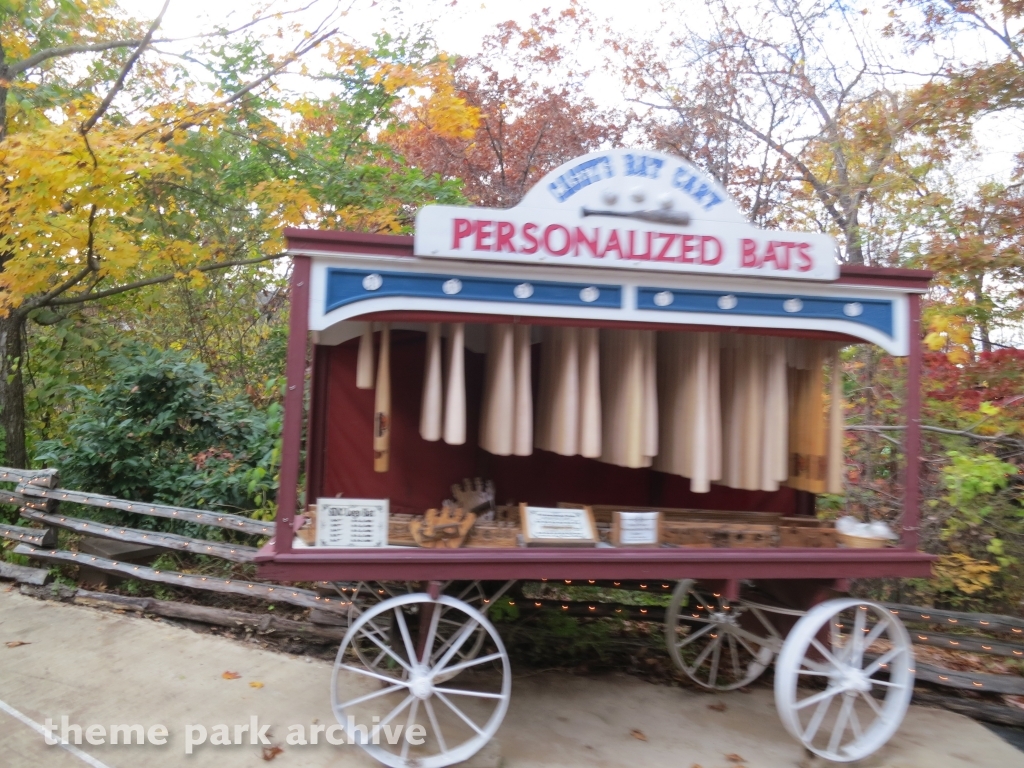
x: 626, y: 209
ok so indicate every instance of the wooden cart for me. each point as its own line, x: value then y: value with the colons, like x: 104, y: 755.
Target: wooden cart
x: 617, y: 241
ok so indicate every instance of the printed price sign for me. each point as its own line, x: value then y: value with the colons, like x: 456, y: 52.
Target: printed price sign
x: 344, y: 523
x: 636, y: 529
x: 558, y: 527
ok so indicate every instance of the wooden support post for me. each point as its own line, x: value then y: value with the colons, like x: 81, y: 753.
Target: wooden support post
x: 912, y: 442
x: 294, y: 399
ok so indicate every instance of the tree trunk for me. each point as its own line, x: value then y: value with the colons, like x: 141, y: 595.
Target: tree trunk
x: 12, y: 389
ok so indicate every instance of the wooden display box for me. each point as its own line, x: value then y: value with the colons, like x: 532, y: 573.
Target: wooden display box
x: 719, y: 535
x: 603, y: 514
x: 800, y: 536
x: 399, y: 533
x: 494, y: 535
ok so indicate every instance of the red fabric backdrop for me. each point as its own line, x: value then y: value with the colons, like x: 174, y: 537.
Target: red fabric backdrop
x: 340, y: 459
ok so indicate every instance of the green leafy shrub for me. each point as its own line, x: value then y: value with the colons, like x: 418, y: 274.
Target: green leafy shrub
x: 162, y: 430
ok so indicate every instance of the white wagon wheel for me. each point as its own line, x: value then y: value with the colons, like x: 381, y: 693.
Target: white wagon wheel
x: 719, y: 653
x: 844, y: 644
x: 458, y: 719
x: 367, y: 594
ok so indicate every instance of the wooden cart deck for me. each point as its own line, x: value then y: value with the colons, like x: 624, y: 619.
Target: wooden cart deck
x: 408, y: 564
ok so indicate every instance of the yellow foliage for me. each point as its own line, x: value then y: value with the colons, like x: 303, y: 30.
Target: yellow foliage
x: 961, y: 573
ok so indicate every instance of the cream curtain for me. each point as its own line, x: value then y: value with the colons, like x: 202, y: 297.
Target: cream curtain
x: 629, y: 398
x: 744, y: 411
x: 808, y: 426
x: 754, y: 412
x: 690, y: 410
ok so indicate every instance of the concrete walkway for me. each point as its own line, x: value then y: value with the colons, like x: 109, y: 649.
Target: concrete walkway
x: 101, y: 668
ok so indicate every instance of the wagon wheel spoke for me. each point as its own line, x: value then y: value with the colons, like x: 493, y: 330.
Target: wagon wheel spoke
x: 694, y: 635
x: 716, y: 655
x: 460, y: 713
x: 435, y: 617
x: 461, y: 692
x: 887, y: 684
x: 828, y: 693
x: 840, y: 727
x: 872, y: 703
x: 361, y: 699
x: 765, y: 623
x: 387, y: 650
x: 460, y: 640
x: 409, y: 721
x: 858, y: 732
x: 885, y: 658
x: 368, y: 673
x: 826, y: 653
x: 734, y: 654
x: 391, y: 716
x: 857, y: 637
x: 466, y: 664
x: 467, y: 590
x: 410, y: 649
x: 435, y: 725
x: 874, y: 634
x: 704, y: 655
x: 746, y: 645
x: 817, y: 718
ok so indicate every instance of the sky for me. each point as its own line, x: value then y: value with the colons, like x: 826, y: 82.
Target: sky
x: 460, y: 27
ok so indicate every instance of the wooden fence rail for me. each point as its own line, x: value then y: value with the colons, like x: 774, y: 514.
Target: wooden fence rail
x: 236, y: 553
x: 39, y: 537
x: 216, y: 519
x: 276, y: 593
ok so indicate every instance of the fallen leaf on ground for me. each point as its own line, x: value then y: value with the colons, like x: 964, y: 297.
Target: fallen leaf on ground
x: 696, y: 765
x: 719, y: 707
x: 638, y: 735
x: 734, y: 758
x: 17, y: 643
x: 231, y: 675
x: 255, y: 684
x: 269, y: 753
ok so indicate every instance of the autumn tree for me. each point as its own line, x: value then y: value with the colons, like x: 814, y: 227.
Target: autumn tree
x: 534, y: 113
x: 788, y: 104
x: 122, y: 168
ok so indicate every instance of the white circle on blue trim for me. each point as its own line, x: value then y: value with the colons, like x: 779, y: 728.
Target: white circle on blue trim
x: 727, y: 302
x: 610, y: 198
x: 523, y: 291
x: 792, y: 305
x: 636, y: 194
x: 372, y: 282
x: 665, y: 202
x: 663, y: 298
x: 589, y: 294
x: 452, y: 286
x: 853, y: 309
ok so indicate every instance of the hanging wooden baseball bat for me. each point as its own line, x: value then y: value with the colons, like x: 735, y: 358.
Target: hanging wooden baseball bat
x: 431, y: 406
x: 364, y: 361
x: 382, y: 406
x: 455, y: 392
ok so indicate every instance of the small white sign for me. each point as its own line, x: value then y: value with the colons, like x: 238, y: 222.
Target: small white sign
x: 636, y: 528
x: 344, y: 523
x: 557, y: 525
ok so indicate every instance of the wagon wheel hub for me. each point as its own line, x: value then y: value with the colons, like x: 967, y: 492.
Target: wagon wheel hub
x: 855, y: 681
x: 421, y: 684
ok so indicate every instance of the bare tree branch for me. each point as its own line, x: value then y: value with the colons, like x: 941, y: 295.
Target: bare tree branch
x: 123, y: 75
x: 157, y: 280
